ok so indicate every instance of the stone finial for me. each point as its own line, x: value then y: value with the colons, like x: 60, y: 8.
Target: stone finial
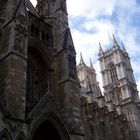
x: 100, y: 48
x: 115, y: 43
x: 81, y: 59
x: 123, y: 47
x: 89, y: 84
x: 91, y: 64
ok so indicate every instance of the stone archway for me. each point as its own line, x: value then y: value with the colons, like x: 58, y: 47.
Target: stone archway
x: 5, y: 135
x: 49, y: 126
x: 21, y: 136
x: 37, y: 77
x: 46, y: 131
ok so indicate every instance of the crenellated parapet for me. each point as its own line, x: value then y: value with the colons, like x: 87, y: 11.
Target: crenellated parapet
x: 104, y: 117
x: 120, y: 86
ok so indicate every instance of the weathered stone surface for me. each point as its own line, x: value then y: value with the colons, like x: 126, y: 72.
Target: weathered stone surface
x: 39, y: 87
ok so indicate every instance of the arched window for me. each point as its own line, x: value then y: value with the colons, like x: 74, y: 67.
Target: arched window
x: 36, y: 78
x: 113, y: 72
x: 47, y: 125
x: 45, y: 130
x: 72, y: 66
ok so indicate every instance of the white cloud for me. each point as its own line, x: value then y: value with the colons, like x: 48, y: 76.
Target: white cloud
x: 100, y: 25
x: 90, y: 8
x: 88, y: 44
x: 121, y: 25
x: 136, y: 66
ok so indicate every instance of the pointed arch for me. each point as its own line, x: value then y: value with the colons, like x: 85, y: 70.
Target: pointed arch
x: 52, y: 125
x: 21, y: 136
x: 39, y: 58
x: 5, y: 135
x: 37, y: 77
x: 113, y: 72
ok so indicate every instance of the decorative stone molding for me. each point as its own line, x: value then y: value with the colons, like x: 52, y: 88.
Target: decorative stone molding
x: 20, y: 34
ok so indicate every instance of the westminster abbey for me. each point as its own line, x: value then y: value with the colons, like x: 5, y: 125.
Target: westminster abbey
x: 44, y: 95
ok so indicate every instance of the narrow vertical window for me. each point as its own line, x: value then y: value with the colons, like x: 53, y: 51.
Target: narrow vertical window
x: 36, y: 78
x: 113, y: 72
x: 72, y: 66
x: 2, y: 7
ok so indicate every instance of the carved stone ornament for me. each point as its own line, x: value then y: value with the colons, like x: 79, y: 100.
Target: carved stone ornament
x: 13, y: 125
x: 21, y: 33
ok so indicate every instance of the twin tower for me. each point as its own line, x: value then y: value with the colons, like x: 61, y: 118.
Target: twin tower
x: 39, y: 88
x: 118, y: 109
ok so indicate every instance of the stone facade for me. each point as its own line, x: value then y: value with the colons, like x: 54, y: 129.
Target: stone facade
x: 40, y: 95
x: 119, y: 84
x: 39, y: 88
x: 114, y: 114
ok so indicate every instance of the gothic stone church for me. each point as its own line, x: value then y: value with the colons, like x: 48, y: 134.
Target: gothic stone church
x: 39, y: 88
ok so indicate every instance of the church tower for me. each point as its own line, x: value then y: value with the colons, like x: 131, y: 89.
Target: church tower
x: 65, y: 85
x: 119, y: 84
x: 39, y: 87
x: 88, y: 80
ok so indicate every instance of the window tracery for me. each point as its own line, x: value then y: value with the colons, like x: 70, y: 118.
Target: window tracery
x: 36, y: 79
x: 113, y: 72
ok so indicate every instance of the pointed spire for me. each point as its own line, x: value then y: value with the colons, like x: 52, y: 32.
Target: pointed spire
x: 115, y: 43
x: 81, y: 59
x: 109, y: 37
x: 100, y: 48
x: 89, y: 84
x: 123, y: 47
x: 91, y: 65
x: 114, y: 39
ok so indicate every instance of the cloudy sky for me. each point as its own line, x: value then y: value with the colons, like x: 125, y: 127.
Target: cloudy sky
x: 94, y: 21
